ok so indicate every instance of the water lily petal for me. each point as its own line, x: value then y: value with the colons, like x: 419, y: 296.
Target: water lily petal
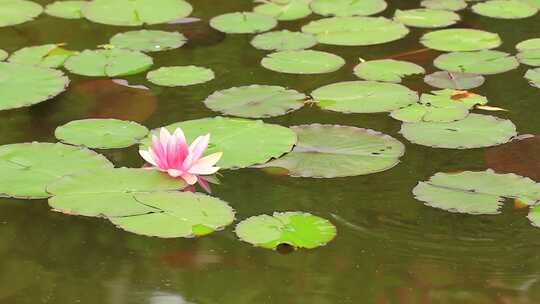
x: 174, y: 173
x: 196, y: 150
x: 205, y: 165
x: 146, y: 155
x: 189, y: 178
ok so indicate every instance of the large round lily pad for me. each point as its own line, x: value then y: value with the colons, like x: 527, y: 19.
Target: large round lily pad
x: 290, y: 10
x: 148, y: 41
x: 327, y: 151
x: 363, y: 97
x: 66, y: 9
x: 180, y: 76
x: 389, y: 70
x: 14, y: 12
x: 243, y: 23
x: 297, y: 229
x: 111, y: 63
x: 460, y: 40
x: 454, y: 80
x: 426, y: 18
x: 28, y: 168
x: 449, y: 5
x: 485, y: 62
x: 47, y: 55
x: 475, y: 131
x: 533, y: 76
x: 520, y: 156
x: 284, y: 41
x: 356, y: 31
x: 345, y: 8
x: 101, y: 133
x: 255, y: 101
x: 25, y: 85
x: 302, y: 62
x: 505, y: 9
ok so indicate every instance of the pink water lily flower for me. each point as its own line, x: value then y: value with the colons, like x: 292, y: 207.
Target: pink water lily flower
x: 170, y: 153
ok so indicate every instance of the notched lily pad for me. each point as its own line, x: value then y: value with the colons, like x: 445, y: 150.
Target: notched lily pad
x: 111, y: 63
x: 243, y: 23
x: 180, y: 76
x: 66, y: 9
x: 289, y: 10
x: 387, y: 70
x: 345, y: 8
x: 454, y: 80
x: 505, y: 9
x: 485, y: 62
x: 283, y: 41
x: 460, y: 40
x: 148, y: 41
x: 15, y: 12
x: 426, y: 18
x: 303, y: 62
x: 47, y: 55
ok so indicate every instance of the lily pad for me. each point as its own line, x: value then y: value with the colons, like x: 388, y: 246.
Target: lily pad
x: 255, y: 101
x: 529, y: 45
x: 101, y: 133
x: 28, y: 168
x: 529, y: 57
x: 505, y: 9
x: 449, y: 5
x: 475, y: 131
x: 363, y: 97
x: 180, y: 76
x: 460, y: 40
x: 3, y: 55
x: 111, y: 63
x: 66, y: 9
x: 148, y: 41
x: 25, y: 85
x: 426, y: 18
x: 303, y: 62
x: 136, y: 12
x: 15, y: 12
x: 48, y: 55
x: 520, y: 156
x: 292, y: 10
x: 533, y: 76
x: 283, y: 41
x: 387, y: 70
x: 109, y: 192
x: 454, y: 80
x: 485, y: 62
x: 346, y: 8
x: 356, y: 31
x: 297, y: 229
x: 328, y: 151
x: 243, y: 23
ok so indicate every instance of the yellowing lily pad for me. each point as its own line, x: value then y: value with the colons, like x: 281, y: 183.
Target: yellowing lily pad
x: 243, y: 23
x: 111, y: 63
x: 345, y: 8
x: 303, y: 62
x: 387, y: 70
x: 66, y: 9
x: 13, y: 12
x: 283, y: 41
x: 148, y: 41
x: 505, y: 9
x: 180, y: 76
x: 48, y: 55
x: 460, y: 40
x: 290, y: 10
x: 426, y: 18
x: 485, y: 62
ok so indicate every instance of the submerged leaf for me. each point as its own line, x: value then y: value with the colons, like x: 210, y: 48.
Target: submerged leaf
x: 303, y: 62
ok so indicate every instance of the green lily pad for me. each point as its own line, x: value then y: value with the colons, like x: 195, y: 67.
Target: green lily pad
x: 101, y: 133
x: 428, y: 18
x: 28, y: 168
x: 529, y: 45
x: 328, y: 151
x: 25, y: 85
x: 48, y: 55
x: 15, y: 12
x: 346, y: 8
x: 111, y: 63
x: 454, y: 80
x: 109, y: 192
x: 363, y: 97
x: 505, y: 9
x: 485, y: 62
x: 297, y: 229
x: 475, y: 131
x: 529, y: 57
x: 243, y: 142
x: 183, y: 214
x: 180, y: 76
x: 255, y: 101
x: 66, y: 9
x: 388, y: 70
x: 533, y: 3
x: 449, y: 5
x: 475, y: 192
x: 243, y: 23
x: 3, y: 55
x: 533, y: 76
x: 283, y: 41
x: 148, y: 41
x: 136, y: 12
x: 302, y: 62
x: 292, y: 10
x: 356, y: 31
x: 460, y: 40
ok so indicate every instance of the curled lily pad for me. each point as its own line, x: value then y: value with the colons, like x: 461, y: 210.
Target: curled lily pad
x: 243, y: 23
x: 148, y: 41
x: 505, y: 9
x: 475, y: 131
x: 181, y: 214
x: 28, y: 168
x: 345, y: 8
x: 533, y: 76
x: 454, y: 80
x: 460, y: 40
x: 485, y: 62
x: 3, y: 55
x: 449, y: 5
x: 387, y: 70
x: 520, y: 156
x: 48, y: 55
x: 15, y: 12
x: 111, y: 63
x: 101, y: 133
x: 428, y: 18
x: 25, y: 85
x: 328, y: 151
x: 291, y: 10
x: 255, y: 101
x: 303, y: 62
x: 180, y: 76
x: 356, y: 31
x: 363, y: 97
x: 66, y: 9
x: 283, y: 41
x: 297, y: 229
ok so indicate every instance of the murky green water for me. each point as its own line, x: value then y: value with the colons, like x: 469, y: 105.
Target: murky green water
x: 390, y: 248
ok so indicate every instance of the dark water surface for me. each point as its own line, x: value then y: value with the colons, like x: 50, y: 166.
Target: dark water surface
x: 390, y: 248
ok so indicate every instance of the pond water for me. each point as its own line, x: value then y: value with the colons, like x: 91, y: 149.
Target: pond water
x: 390, y: 247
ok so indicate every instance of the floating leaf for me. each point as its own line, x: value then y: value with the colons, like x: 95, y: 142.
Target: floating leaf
x: 485, y: 62
x: 475, y: 131
x: 111, y: 63
x: 28, y: 168
x: 101, y: 133
x: 454, y: 80
x: 529, y: 57
x: 328, y: 151
x: 66, y: 9
x: 48, y: 55
x: 183, y: 214
x: 356, y: 31
x: 345, y: 8
x: 520, y: 156
x: 428, y: 18
x: 180, y: 76
x: 363, y: 97
x: 292, y: 10
x: 283, y: 41
x: 25, y: 85
x: 243, y: 23
x: 303, y: 62
x: 297, y: 229
x: 148, y: 41
x: 460, y: 40
x: 533, y: 76
x: 387, y: 70
x: 505, y: 9
x: 3, y: 55
x: 14, y: 12
x: 449, y: 5
x: 529, y: 45
x: 255, y: 101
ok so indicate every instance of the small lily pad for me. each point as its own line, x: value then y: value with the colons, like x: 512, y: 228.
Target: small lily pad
x: 148, y: 41
x: 3, y: 55
x: 460, y: 40
x: 291, y: 10
x: 346, y: 8
x: 387, y: 70
x: 533, y: 76
x: 255, y: 101
x: 180, y: 76
x: 243, y: 23
x: 101, y: 133
x: 505, y: 9
x: 111, y: 63
x: 454, y: 80
x: 66, y: 9
x: 303, y: 62
x: 485, y: 62
x: 297, y: 229
x: 15, y: 12
x: 449, y: 5
x: 283, y: 41
x: 426, y: 18
x: 48, y: 55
